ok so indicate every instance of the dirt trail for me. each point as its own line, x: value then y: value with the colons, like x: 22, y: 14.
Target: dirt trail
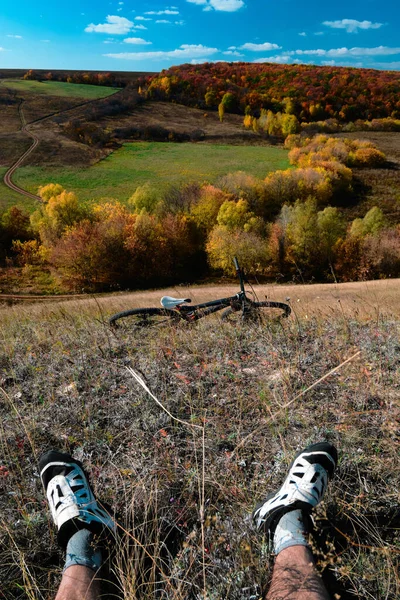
x: 8, y: 176
x: 361, y: 299
x: 36, y: 298
x: 25, y: 128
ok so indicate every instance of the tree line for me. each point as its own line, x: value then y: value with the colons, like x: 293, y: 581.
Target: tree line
x: 309, y: 92
x: 291, y: 225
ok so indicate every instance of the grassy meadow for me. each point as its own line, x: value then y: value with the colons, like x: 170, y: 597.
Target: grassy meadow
x: 10, y: 198
x: 161, y: 164
x: 59, y: 88
x: 246, y: 405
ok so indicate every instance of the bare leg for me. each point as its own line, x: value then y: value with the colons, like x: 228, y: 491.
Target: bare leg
x: 81, y: 524
x: 283, y: 515
x: 295, y: 578
x: 78, y: 583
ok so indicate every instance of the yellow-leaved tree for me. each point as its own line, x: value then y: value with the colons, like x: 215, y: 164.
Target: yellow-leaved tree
x: 250, y: 248
x: 60, y: 209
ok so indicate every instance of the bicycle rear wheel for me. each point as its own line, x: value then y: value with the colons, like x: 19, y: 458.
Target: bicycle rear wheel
x: 145, y: 317
x: 257, y: 312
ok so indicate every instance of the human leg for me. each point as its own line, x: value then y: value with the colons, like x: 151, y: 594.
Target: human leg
x: 82, y: 524
x: 284, y: 516
x: 295, y: 578
x: 78, y: 583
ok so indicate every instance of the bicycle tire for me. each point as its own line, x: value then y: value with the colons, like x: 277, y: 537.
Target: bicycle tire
x: 256, y: 315
x: 146, y: 317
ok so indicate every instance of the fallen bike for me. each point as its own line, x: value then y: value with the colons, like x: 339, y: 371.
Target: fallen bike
x: 239, y: 307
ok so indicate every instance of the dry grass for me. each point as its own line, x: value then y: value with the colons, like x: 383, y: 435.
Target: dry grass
x: 183, y: 498
x: 377, y: 187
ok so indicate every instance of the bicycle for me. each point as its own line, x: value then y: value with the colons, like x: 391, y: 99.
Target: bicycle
x: 176, y: 309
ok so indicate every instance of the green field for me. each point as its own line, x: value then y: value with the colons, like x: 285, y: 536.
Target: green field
x: 162, y: 164
x: 58, y: 88
x: 10, y: 198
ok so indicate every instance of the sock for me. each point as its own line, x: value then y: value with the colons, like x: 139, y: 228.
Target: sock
x: 290, y: 531
x: 81, y: 550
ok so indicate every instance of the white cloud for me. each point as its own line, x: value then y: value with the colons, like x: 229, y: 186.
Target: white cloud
x: 162, y: 12
x: 232, y: 53
x: 136, y: 40
x: 163, y: 21
x: 395, y: 65
x: 184, y: 51
x: 280, y: 59
x: 2, y: 49
x: 347, y: 52
x: 16, y: 37
x: 142, y: 27
x: 328, y: 63
x: 303, y: 34
x: 318, y: 52
x: 179, y: 22
x: 219, y: 5
x: 142, y: 19
x: 200, y: 61
x: 227, y: 5
x: 319, y: 33
x: 115, y: 25
x: 352, y: 25
x: 259, y: 47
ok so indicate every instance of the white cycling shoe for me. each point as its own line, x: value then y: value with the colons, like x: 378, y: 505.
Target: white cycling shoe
x: 303, y: 488
x: 71, y: 500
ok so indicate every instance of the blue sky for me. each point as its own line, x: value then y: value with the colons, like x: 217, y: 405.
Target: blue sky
x: 148, y: 36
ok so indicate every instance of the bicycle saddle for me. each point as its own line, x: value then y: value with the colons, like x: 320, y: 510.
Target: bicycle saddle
x: 170, y: 302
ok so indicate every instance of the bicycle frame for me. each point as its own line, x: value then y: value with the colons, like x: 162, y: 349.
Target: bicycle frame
x: 238, y: 301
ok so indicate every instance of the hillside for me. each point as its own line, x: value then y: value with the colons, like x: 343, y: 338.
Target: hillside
x: 313, y: 93
x: 244, y: 394
x: 115, y: 183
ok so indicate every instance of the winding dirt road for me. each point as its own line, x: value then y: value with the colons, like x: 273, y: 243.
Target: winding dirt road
x: 25, y: 128
x: 7, y: 177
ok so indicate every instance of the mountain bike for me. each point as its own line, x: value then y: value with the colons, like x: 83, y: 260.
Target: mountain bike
x: 239, y: 307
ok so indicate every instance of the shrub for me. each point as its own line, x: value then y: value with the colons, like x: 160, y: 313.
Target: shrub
x: 368, y: 157
x: 322, y: 148
x: 351, y: 263
x: 29, y: 253
x: 51, y: 190
x: 250, y: 249
x: 371, y: 224
x: 145, y: 198
x: 56, y: 214
x: 297, y: 184
x: 383, y: 253
x: 15, y: 225
x: 178, y: 200
x: 93, y: 254
x: 234, y: 215
x: 205, y: 210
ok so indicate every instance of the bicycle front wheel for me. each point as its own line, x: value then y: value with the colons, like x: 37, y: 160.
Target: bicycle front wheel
x: 145, y: 317
x: 257, y: 312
